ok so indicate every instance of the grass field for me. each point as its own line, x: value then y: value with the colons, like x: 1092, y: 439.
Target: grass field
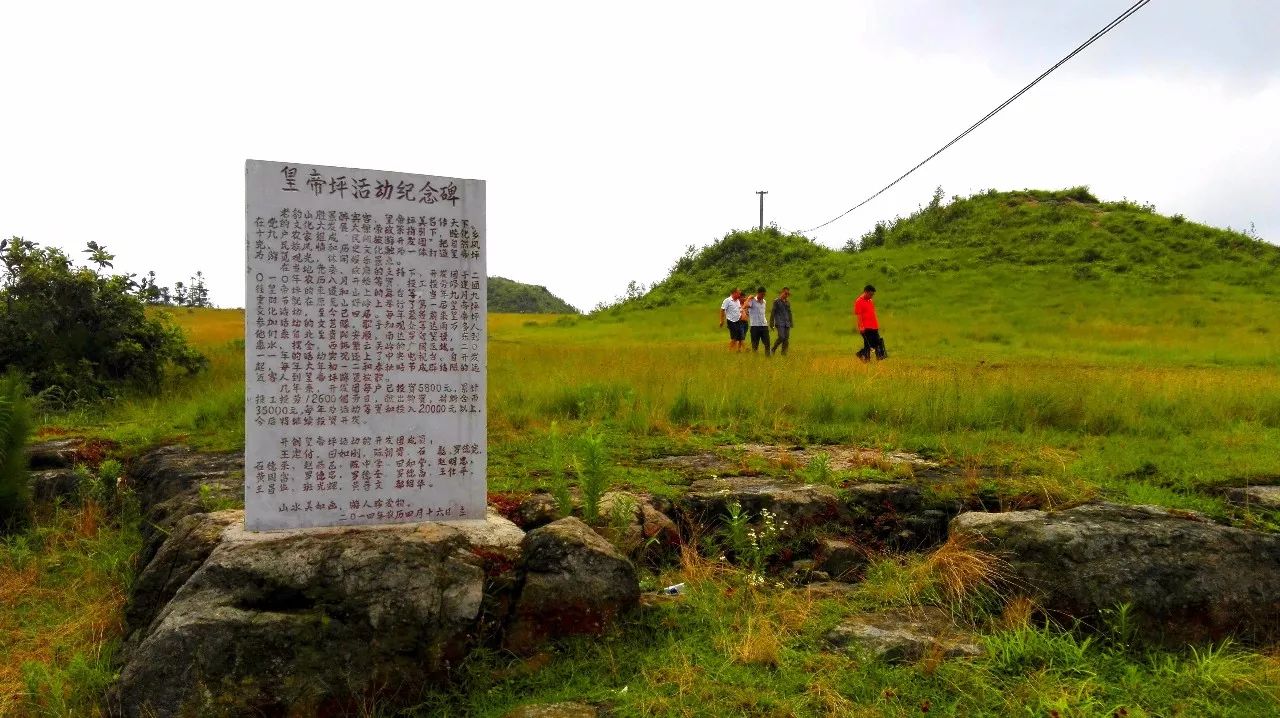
x: 1040, y: 346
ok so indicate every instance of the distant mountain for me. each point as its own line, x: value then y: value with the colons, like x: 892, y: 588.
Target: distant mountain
x: 509, y: 297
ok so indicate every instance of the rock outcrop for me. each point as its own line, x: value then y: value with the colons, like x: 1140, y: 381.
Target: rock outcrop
x: 839, y: 559
x: 798, y: 504
x: 50, y: 485
x: 187, y: 548
x: 311, y: 619
x: 167, y: 482
x: 905, y: 636
x: 897, y: 514
x: 1266, y: 498
x: 575, y: 582
x: 1185, y: 577
x: 226, y: 621
x: 54, y: 454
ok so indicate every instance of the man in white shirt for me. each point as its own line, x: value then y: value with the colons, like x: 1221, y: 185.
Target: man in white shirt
x: 759, y: 322
x: 731, y: 312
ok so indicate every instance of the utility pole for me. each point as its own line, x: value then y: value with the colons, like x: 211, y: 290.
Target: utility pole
x: 762, y: 193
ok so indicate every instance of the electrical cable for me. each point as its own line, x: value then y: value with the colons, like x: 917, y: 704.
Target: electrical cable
x: 1108, y: 28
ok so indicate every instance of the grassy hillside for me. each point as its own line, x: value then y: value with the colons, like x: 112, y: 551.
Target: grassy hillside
x: 1046, y: 348
x: 1042, y: 338
x: 510, y: 297
x: 1011, y: 274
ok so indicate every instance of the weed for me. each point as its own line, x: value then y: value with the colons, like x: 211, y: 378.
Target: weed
x: 90, y: 487
x: 592, y: 469
x: 212, y: 499
x: 1121, y: 625
x: 759, y: 643
x: 622, y: 525
x: 558, y: 481
x: 818, y: 470
x: 753, y: 546
x: 64, y: 580
x: 737, y: 526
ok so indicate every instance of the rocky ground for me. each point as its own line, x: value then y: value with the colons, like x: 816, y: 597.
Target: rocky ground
x: 220, y: 618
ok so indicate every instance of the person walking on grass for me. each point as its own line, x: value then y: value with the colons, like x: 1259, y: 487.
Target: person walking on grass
x: 864, y: 313
x: 780, y: 320
x: 759, y: 323
x: 731, y: 313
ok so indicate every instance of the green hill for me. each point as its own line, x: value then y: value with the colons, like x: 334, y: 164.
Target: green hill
x: 509, y: 297
x: 1053, y: 273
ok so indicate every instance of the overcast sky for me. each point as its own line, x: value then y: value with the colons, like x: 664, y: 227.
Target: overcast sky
x: 612, y: 135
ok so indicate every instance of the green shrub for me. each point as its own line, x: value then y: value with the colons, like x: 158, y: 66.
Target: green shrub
x: 1080, y: 194
x: 84, y: 332
x: 15, y: 427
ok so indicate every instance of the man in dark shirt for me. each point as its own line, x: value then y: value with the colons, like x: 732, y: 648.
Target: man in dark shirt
x: 780, y: 319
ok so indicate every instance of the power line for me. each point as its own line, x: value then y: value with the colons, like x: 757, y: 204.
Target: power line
x: 1108, y: 28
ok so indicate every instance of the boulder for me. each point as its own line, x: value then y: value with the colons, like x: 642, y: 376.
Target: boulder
x: 537, y: 509
x: 637, y: 521
x: 798, y: 504
x: 1185, y: 577
x: 905, y: 636
x: 575, y: 582
x: 494, y: 533
x: 1266, y: 498
x: 54, y: 454
x: 842, y: 560
x: 50, y: 485
x: 311, y: 621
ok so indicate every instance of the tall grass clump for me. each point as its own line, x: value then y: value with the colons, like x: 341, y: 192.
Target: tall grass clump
x: 685, y: 409
x: 15, y: 427
x: 591, y: 466
x: 955, y: 574
x: 589, y: 401
x: 557, y: 481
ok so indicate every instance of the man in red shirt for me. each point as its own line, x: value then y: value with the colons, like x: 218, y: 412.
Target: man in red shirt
x: 864, y: 313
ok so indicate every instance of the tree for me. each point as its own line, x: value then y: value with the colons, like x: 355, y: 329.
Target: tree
x: 150, y: 292
x: 99, y: 255
x: 86, y: 333
x: 197, y: 293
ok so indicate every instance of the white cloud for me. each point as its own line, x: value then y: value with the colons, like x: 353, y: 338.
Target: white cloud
x: 611, y: 136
